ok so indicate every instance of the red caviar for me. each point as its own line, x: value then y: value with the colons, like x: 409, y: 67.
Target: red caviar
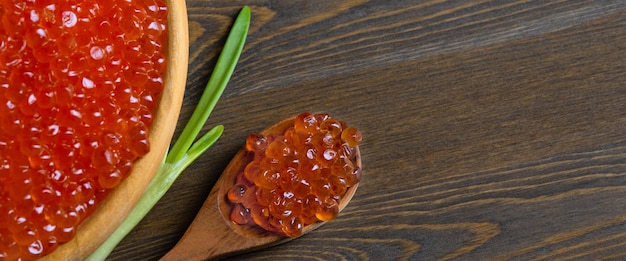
x: 79, y: 82
x: 298, y: 177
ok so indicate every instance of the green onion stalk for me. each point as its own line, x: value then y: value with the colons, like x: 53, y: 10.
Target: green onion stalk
x: 185, y: 151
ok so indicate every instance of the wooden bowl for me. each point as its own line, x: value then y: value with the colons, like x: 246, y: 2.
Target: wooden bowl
x: 112, y: 211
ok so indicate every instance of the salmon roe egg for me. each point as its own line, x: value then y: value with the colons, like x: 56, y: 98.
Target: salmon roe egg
x: 79, y: 83
x: 296, y: 178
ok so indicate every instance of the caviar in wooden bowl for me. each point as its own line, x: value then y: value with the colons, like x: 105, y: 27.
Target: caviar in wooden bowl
x: 90, y: 92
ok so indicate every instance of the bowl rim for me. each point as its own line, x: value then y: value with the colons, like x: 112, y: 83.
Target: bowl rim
x: 110, y: 213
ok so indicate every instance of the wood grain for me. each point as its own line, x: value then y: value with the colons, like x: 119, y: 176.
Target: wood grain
x: 492, y: 129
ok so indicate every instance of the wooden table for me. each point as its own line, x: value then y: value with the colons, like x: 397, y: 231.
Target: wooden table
x: 493, y: 129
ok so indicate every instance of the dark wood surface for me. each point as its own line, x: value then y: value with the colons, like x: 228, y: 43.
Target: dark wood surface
x: 492, y: 129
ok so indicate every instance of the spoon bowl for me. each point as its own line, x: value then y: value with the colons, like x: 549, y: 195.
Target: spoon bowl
x: 112, y: 211
x: 212, y: 235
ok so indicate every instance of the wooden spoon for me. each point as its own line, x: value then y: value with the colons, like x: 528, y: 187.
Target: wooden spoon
x: 212, y: 235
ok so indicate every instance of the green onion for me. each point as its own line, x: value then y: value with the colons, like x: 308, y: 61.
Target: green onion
x: 185, y: 151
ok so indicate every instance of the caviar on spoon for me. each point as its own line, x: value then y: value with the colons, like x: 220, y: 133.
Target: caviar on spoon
x: 288, y: 180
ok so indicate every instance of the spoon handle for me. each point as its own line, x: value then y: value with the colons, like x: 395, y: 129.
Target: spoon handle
x: 207, y: 237
x: 211, y: 234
